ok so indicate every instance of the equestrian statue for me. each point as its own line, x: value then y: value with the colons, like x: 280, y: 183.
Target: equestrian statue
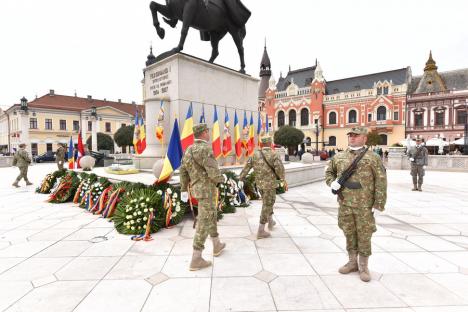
x: 213, y: 18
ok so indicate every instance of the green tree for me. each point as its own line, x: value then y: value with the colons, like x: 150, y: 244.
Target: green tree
x: 104, y: 142
x: 373, y: 139
x: 288, y: 136
x: 124, y: 137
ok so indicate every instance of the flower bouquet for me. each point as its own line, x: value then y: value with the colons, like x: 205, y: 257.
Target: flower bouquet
x: 170, y: 199
x: 49, y: 181
x: 65, y: 188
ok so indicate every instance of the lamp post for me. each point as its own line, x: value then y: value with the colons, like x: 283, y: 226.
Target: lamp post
x: 24, y: 104
x: 317, y: 132
x: 94, y: 119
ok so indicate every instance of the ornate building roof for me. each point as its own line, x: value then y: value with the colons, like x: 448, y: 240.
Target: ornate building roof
x: 265, y: 73
x: 431, y: 81
x: 301, y: 77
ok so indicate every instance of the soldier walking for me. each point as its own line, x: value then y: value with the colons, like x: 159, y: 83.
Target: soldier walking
x: 359, y: 196
x: 269, y: 171
x: 418, y: 158
x: 22, y: 161
x: 199, y: 174
x: 60, y: 156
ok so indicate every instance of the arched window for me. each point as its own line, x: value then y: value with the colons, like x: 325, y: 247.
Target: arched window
x: 280, y: 118
x: 332, y: 141
x: 439, y: 118
x: 332, y: 118
x: 381, y: 113
x: 352, y: 116
x: 461, y: 116
x: 292, y: 118
x: 418, y: 118
x: 304, y: 117
x: 383, y: 139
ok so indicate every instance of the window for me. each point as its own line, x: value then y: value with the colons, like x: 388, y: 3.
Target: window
x: 332, y: 118
x: 379, y: 90
x: 352, y: 116
x: 396, y: 116
x: 34, y: 149
x: 280, y: 118
x: 292, y: 118
x: 90, y: 126
x: 76, y: 125
x: 33, y: 123
x: 461, y: 117
x: 332, y: 141
x: 369, y: 117
x: 108, y: 127
x: 304, y: 117
x: 418, y: 119
x: 48, y: 124
x: 383, y: 139
x: 439, y: 118
x: 381, y: 113
x: 385, y: 90
x: 63, y: 124
x: 49, y: 147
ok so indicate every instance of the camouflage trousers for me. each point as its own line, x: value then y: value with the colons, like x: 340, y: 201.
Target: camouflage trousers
x: 206, y: 222
x: 417, y: 172
x: 357, y: 224
x: 23, y: 174
x: 268, y: 200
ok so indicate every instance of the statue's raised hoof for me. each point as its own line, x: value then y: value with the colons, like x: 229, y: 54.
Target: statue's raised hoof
x: 176, y: 50
x: 170, y: 22
x: 161, y: 32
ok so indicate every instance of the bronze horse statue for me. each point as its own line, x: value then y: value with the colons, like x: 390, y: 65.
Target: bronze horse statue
x: 214, y: 19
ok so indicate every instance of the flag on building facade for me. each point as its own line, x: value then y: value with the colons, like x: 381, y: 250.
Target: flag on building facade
x: 136, y: 134
x: 173, y: 155
x: 160, y: 125
x: 227, y: 145
x: 71, y: 157
x: 142, y: 135
x: 251, y: 142
x: 216, y: 139
x: 202, y: 116
x: 237, y: 137
x: 187, y: 133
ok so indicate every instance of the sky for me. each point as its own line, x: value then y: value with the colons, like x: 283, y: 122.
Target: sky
x: 99, y: 47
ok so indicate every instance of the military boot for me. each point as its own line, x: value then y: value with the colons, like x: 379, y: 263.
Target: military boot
x: 271, y: 222
x: 28, y: 183
x: 262, y: 233
x: 420, y: 187
x: 415, y: 187
x: 218, y: 247
x: 198, y: 262
x: 15, y: 184
x: 352, y: 265
x: 364, y: 273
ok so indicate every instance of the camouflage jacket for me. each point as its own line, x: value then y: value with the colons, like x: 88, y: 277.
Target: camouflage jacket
x: 60, y: 154
x: 200, y: 169
x: 419, y: 154
x: 264, y: 176
x: 21, y: 158
x: 370, y: 173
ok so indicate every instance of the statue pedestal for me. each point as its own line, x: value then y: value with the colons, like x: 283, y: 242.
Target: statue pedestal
x: 181, y: 79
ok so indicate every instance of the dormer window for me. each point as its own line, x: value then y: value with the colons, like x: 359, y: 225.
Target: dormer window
x: 379, y: 90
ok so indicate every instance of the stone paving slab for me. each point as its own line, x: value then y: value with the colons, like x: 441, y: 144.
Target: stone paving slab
x: 51, y: 259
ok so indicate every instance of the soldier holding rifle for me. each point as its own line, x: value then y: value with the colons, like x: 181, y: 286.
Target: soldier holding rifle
x: 358, y: 177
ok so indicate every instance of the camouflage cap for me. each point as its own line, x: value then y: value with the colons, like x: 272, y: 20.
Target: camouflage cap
x: 199, y: 129
x: 266, y: 139
x: 358, y: 130
x: 22, y: 145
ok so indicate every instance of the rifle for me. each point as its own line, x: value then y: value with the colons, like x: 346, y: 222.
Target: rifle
x: 348, y: 173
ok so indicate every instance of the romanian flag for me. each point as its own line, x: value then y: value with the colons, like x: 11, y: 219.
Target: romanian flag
x: 237, y: 137
x: 71, y: 157
x: 251, y: 142
x: 136, y: 134
x: 267, y: 129
x: 187, y: 133
x: 227, y: 145
x: 202, y: 117
x: 216, y: 139
x: 259, y: 126
x: 245, y: 131
x: 81, y: 151
x: 142, y: 135
x: 173, y: 156
x: 159, y: 126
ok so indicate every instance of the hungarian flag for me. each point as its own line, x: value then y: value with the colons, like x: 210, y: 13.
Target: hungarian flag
x: 251, y: 142
x: 142, y: 145
x: 81, y: 151
x: 237, y: 137
x: 227, y: 145
x: 187, y: 133
x: 159, y: 125
x: 174, y: 155
x: 71, y: 157
x: 216, y: 139
x: 136, y: 134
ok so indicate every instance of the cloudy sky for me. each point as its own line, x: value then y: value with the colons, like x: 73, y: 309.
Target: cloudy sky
x: 99, y: 47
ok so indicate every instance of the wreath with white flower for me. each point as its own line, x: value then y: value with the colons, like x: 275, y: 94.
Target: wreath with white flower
x: 173, y: 207
x: 93, y: 196
x: 86, y: 182
x: 230, y: 195
x: 65, y: 188
x: 50, y: 181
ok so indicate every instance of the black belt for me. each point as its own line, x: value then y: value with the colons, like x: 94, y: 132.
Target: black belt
x: 352, y: 185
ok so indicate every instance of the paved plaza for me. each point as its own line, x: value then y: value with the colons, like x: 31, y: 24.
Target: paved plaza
x: 61, y: 258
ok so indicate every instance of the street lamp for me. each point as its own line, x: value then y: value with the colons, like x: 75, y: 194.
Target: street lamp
x: 317, y: 132
x: 93, y: 111
x: 24, y: 104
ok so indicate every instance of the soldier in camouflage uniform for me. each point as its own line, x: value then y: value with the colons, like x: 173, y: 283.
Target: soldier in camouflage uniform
x: 418, y: 157
x: 266, y: 181
x: 199, y: 174
x: 22, y: 161
x: 363, y: 193
x: 60, y: 156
